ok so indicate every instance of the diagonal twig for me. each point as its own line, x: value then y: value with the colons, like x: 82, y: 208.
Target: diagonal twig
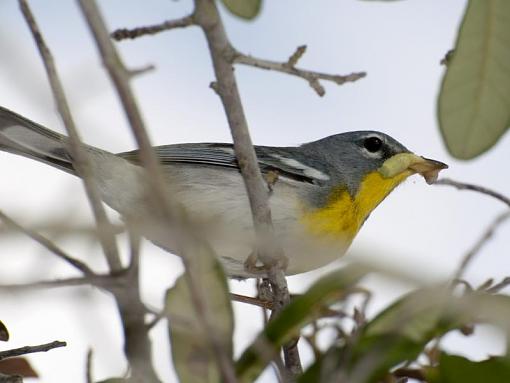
x: 489, y: 232
x: 104, y: 281
x: 124, y: 33
x: 289, y: 67
x: 78, y: 152
x: 48, y: 245
x: 31, y: 349
x: 475, y: 188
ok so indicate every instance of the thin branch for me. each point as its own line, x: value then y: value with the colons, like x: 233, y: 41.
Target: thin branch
x: 78, y: 152
x: 268, y: 305
x: 162, y: 210
x: 124, y: 33
x: 107, y: 282
x: 142, y: 70
x: 472, y: 187
x: 31, y: 349
x: 499, y: 286
x: 81, y: 266
x: 289, y: 67
x: 207, y: 17
x: 486, y: 236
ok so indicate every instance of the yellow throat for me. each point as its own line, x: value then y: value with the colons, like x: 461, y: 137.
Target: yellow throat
x: 343, y: 215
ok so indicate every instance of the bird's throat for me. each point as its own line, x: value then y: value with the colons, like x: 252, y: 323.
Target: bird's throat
x: 343, y: 215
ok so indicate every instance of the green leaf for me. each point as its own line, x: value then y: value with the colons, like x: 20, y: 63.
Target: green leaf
x: 114, y: 380
x: 247, y: 9
x: 457, y: 369
x: 200, y: 314
x: 474, y: 102
x: 301, y: 311
x: 400, y: 332
x: 397, y: 334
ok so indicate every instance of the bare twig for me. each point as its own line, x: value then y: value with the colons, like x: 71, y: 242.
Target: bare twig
x: 499, y: 286
x: 124, y: 33
x: 79, y: 154
x: 268, y: 305
x: 31, y: 349
x: 489, y: 232
x: 48, y: 245
x: 106, y: 282
x: 142, y: 70
x: 207, y: 17
x: 289, y: 67
x: 472, y: 187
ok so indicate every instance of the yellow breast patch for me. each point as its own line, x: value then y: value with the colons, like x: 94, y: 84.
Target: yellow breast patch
x: 343, y: 215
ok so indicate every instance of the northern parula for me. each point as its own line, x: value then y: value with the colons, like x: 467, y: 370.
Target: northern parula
x: 320, y: 192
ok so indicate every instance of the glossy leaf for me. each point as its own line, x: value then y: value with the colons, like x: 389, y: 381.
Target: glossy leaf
x: 247, y: 9
x: 474, y: 102
x: 457, y: 369
x: 300, y: 312
x: 197, y: 319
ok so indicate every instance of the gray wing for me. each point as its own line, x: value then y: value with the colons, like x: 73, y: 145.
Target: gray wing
x: 286, y: 161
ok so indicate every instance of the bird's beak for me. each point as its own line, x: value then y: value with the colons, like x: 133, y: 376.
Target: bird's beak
x: 410, y: 162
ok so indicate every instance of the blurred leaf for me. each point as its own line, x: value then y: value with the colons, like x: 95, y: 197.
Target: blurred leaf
x: 4, y: 334
x: 247, y: 9
x: 301, y: 311
x: 474, y: 102
x: 457, y: 369
x: 114, y: 380
x: 400, y: 333
x: 17, y: 366
x: 191, y: 330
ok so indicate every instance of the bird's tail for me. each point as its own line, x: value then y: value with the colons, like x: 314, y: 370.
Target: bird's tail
x: 21, y: 136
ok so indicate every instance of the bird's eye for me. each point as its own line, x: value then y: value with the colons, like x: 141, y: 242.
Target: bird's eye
x: 373, y: 144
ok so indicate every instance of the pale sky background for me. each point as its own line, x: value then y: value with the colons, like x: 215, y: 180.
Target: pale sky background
x: 423, y: 229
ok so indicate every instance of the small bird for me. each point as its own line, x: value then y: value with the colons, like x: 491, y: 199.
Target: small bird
x: 320, y: 193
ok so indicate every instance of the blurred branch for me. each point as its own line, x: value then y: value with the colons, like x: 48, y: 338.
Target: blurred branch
x: 88, y: 367
x: 107, y: 282
x: 207, y: 17
x: 268, y: 305
x: 31, y: 349
x: 78, y: 152
x: 81, y: 266
x: 161, y: 206
x: 289, y: 67
x: 124, y: 33
x: 472, y: 187
x: 486, y: 236
x: 499, y: 286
